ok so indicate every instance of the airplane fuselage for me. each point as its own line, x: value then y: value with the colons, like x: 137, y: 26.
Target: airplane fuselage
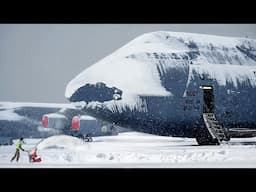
x: 162, y: 83
x: 181, y: 114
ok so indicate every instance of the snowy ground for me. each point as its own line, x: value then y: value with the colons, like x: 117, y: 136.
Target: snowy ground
x: 132, y: 150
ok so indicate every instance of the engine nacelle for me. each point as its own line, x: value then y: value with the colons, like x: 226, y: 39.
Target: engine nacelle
x: 75, y: 122
x: 54, y: 120
x: 91, y: 126
x: 85, y: 123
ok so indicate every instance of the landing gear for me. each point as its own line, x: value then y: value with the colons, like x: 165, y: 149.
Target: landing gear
x: 85, y: 138
x: 204, y: 138
x: 88, y: 139
x: 207, y: 141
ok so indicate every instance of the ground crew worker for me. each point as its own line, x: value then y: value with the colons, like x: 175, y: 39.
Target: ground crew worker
x: 18, y: 148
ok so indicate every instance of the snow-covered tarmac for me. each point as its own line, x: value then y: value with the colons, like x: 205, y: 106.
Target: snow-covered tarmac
x: 133, y: 150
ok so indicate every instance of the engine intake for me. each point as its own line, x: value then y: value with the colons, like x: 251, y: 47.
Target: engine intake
x: 76, y: 123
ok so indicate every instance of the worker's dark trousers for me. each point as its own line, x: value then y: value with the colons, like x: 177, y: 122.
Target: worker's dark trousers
x: 17, y: 154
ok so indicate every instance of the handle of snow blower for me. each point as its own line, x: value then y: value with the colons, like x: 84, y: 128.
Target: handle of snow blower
x: 27, y: 151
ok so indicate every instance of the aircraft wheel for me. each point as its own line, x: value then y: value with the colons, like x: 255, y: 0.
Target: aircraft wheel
x: 204, y: 141
x: 204, y: 138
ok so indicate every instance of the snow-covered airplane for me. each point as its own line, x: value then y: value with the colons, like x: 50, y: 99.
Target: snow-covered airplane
x: 174, y: 84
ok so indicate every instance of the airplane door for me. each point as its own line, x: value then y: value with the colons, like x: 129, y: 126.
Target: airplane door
x: 208, y: 99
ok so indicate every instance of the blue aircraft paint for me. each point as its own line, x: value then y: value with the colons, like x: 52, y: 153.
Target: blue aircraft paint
x: 180, y: 114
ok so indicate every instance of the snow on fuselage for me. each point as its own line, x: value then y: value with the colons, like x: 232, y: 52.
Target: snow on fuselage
x: 153, y: 84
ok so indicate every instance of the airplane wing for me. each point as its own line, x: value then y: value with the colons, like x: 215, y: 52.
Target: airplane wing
x: 25, y: 119
x: 46, y: 119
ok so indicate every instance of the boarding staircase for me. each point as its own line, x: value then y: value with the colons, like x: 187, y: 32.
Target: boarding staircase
x: 217, y: 131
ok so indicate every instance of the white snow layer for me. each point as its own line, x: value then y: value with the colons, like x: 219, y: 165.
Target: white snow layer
x: 133, y: 149
x: 228, y: 74
x: 60, y: 141
x: 55, y: 115
x: 86, y: 117
x: 10, y: 105
x: 133, y: 67
x: 7, y: 109
x: 10, y: 115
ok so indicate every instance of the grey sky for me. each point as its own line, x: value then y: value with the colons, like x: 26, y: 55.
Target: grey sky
x: 38, y: 60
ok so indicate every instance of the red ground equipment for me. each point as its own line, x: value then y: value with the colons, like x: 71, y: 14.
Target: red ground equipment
x: 33, y: 157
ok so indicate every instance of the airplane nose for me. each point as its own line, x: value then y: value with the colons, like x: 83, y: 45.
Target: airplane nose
x: 96, y: 92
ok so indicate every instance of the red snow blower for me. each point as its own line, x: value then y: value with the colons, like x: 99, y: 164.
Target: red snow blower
x: 33, y: 157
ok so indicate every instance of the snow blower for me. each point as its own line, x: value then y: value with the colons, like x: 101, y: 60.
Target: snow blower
x: 33, y: 157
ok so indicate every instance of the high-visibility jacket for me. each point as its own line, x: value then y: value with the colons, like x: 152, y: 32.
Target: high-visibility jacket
x: 19, y: 145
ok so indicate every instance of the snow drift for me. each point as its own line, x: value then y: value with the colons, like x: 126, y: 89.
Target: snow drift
x: 132, y: 150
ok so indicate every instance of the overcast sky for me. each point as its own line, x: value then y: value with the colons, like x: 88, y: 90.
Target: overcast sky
x: 38, y: 60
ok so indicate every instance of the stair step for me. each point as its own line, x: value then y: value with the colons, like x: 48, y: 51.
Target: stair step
x: 217, y: 127
x: 220, y: 134
x: 214, y: 127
